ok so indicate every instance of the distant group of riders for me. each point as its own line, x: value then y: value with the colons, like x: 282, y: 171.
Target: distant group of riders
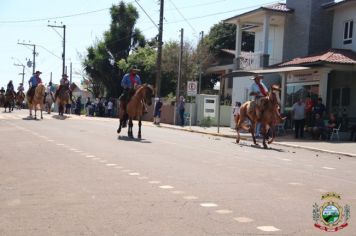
x: 9, y: 97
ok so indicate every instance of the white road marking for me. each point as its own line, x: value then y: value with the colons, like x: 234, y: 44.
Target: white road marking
x: 166, y: 187
x: 111, y: 164
x: 190, y: 197
x: 126, y: 170
x: 177, y: 192
x: 50, y: 140
x: 321, y: 190
x: 154, y: 182
x: 285, y: 159
x: 243, y: 219
x: 268, y: 228
x: 89, y: 156
x: 223, y: 211
x: 96, y: 158
x: 296, y: 184
x: 103, y: 161
x: 208, y: 204
x: 60, y: 144
x: 78, y: 151
x: 134, y: 173
x: 328, y: 168
x: 142, y: 177
x: 72, y: 149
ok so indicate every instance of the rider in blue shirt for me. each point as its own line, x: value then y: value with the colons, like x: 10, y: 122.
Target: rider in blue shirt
x: 33, y: 82
x: 129, y: 83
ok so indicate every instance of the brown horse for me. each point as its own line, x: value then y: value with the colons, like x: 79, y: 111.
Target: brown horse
x: 9, y: 100
x: 268, y: 117
x: 136, y: 107
x: 62, y: 100
x: 37, y: 100
x: 20, y: 97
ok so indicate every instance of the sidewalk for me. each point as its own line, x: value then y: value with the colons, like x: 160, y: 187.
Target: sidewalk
x: 335, y: 147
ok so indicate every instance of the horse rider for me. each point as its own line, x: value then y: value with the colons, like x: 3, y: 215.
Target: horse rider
x: 129, y: 82
x: 2, y: 91
x: 20, y: 88
x: 64, y: 84
x: 260, y: 91
x: 10, y: 88
x: 49, y: 90
x: 33, y: 82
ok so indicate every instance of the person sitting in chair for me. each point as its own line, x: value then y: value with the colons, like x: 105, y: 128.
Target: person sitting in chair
x: 129, y: 83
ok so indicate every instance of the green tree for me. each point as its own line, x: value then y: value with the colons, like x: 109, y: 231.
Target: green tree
x: 122, y: 37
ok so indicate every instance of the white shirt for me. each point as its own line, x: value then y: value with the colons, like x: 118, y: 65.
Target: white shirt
x: 254, y: 88
x: 110, y: 105
x: 236, y: 111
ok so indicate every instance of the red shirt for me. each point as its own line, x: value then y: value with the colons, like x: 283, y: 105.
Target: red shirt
x: 309, y: 106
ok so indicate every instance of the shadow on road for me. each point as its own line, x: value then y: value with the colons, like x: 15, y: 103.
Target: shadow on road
x: 260, y: 146
x: 125, y: 138
x: 58, y: 117
x: 31, y: 118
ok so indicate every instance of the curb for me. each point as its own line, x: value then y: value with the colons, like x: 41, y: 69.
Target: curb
x: 276, y: 143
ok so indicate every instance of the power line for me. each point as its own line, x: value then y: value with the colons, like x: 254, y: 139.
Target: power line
x: 220, y: 13
x: 50, y: 52
x: 183, y: 17
x: 52, y: 18
x: 146, y: 14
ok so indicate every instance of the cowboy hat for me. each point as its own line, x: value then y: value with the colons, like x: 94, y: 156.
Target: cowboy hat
x: 65, y: 75
x: 38, y: 72
x: 134, y: 68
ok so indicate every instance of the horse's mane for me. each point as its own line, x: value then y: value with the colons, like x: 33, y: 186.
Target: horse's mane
x: 144, y: 86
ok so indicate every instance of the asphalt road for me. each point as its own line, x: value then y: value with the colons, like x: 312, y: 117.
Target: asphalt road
x: 76, y: 176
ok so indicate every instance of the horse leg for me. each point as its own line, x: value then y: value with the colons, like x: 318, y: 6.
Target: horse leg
x: 130, y: 128
x: 252, y: 130
x: 139, y: 128
x: 41, y: 112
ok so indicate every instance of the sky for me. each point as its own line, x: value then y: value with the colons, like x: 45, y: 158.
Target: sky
x: 27, y: 21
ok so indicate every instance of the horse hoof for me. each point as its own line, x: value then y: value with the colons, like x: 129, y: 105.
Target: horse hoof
x: 118, y: 130
x: 139, y: 137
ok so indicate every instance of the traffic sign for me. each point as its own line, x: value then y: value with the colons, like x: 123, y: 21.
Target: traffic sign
x: 192, y: 88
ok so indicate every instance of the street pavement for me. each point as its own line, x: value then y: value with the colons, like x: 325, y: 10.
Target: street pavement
x: 76, y: 176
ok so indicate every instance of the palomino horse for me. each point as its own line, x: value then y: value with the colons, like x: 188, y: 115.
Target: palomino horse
x: 37, y: 100
x: 268, y: 119
x: 136, y: 107
x: 62, y: 100
x: 9, y: 100
x: 20, y: 97
x: 49, y: 100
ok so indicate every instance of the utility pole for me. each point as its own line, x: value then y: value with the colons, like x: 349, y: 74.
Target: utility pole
x: 64, y: 45
x: 23, y: 71
x: 34, y: 55
x: 179, y: 71
x: 159, y: 50
x: 200, y: 60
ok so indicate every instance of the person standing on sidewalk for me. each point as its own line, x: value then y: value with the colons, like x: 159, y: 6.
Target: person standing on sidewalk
x: 181, y: 110
x: 298, y: 114
x: 157, y: 113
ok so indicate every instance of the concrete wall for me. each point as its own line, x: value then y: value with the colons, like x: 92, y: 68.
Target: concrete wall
x: 307, y: 29
x: 342, y: 14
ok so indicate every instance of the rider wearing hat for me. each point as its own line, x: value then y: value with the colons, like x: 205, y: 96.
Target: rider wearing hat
x: 259, y: 91
x: 2, y: 90
x: 129, y: 83
x: 33, y: 82
x: 20, y: 88
x: 64, y: 84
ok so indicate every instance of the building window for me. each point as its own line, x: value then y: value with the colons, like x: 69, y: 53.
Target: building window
x: 348, y: 31
x: 340, y: 97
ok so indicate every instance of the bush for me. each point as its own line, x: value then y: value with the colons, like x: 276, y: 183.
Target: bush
x: 206, y: 122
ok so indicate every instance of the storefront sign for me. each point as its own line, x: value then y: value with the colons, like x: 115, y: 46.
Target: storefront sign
x: 303, y: 77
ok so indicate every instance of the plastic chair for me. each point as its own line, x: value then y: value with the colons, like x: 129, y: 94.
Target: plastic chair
x: 335, y: 132
x: 279, y: 128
